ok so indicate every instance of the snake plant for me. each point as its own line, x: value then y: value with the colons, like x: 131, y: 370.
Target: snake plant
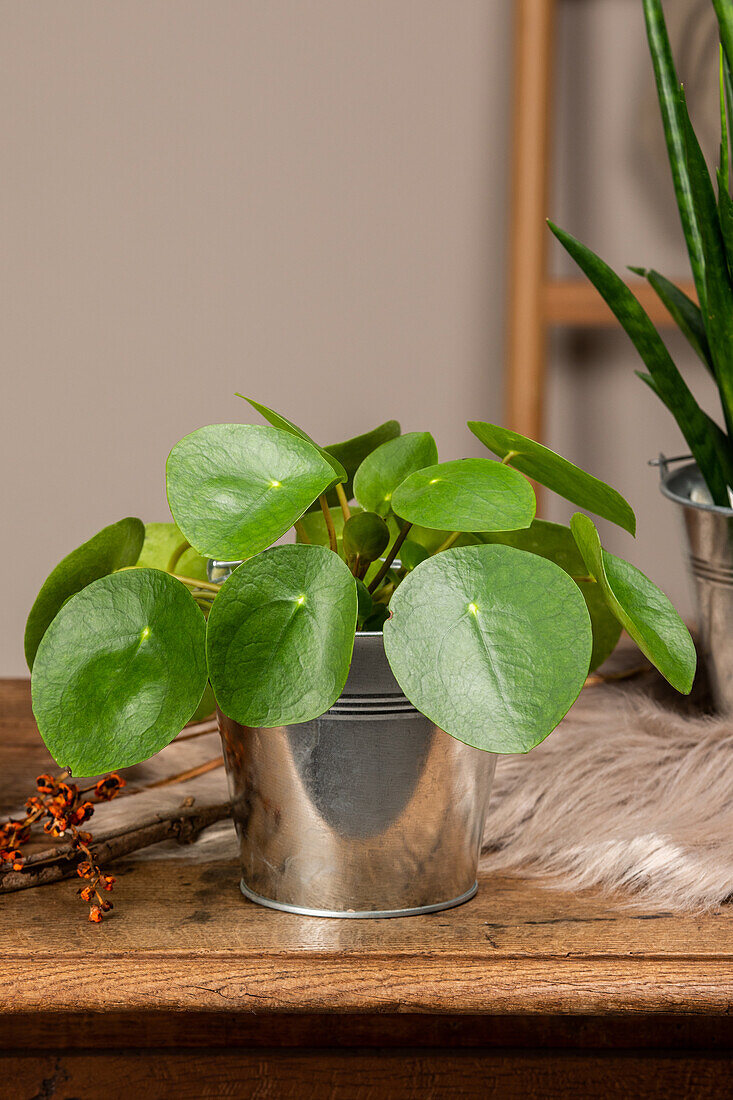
x: 491, y: 618
x: 706, y: 212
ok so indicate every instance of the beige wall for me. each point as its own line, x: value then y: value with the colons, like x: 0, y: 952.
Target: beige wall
x: 304, y: 199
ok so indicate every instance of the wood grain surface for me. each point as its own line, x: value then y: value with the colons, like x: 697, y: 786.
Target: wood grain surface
x: 524, y: 991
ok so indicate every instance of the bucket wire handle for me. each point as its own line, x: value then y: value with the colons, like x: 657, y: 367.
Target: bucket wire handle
x: 663, y: 462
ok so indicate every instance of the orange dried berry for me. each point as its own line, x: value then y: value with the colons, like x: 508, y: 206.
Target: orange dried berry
x: 95, y: 914
x: 67, y: 793
x: 86, y: 893
x: 56, y: 827
x: 107, y: 881
x: 83, y: 838
x: 106, y: 906
x: 45, y: 783
x: 82, y: 813
x: 108, y: 787
x: 84, y: 869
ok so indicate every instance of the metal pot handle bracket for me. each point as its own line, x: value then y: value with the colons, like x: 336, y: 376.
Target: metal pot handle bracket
x: 662, y: 462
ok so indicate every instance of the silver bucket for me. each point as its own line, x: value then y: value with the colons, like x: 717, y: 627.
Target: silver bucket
x: 368, y: 811
x: 710, y: 544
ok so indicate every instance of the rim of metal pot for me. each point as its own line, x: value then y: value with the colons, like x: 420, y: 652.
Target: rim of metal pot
x: 663, y: 463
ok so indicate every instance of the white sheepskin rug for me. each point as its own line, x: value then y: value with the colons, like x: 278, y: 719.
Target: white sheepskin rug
x: 629, y: 795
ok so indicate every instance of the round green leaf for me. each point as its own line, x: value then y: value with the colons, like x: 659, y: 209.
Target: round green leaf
x: 382, y: 471
x: 119, y: 672
x: 315, y: 528
x: 470, y: 494
x: 163, y: 541
x: 280, y: 636
x: 411, y: 554
x: 642, y: 609
x: 433, y: 539
x: 556, y: 543
x: 286, y: 425
x: 491, y: 643
x: 365, y: 536
x: 352, y: 452
x: 234, y: 489
x: 191, y: 564
x: 550, y: 469
x: 112, y: 548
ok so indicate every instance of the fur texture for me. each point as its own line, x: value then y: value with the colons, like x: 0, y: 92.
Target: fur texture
x: 627, y: 795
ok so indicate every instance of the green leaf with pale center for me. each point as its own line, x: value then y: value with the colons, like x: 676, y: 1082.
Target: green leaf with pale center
x: 385, y: 468
x: 556, y: 543
x: 112, y: 548
x: 468, y: 494
x: 491, y: 643
x: 556, y: 472
x: 642, y: 609
x: 234, y: 489
x: 280, y: 636
x: 286, y: 425
x: 119, y: 672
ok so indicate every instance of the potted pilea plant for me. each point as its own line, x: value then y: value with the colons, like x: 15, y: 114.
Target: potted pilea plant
x: 365, y: 674
x: 702, y: 487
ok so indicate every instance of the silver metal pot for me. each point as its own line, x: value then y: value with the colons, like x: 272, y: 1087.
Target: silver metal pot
x: 710, y: 542
x: 368, y: 811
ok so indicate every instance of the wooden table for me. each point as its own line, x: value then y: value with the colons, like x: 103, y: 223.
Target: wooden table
x: 189, y: 991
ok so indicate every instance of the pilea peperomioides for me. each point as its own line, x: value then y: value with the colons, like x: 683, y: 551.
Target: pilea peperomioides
x: 491, y: 618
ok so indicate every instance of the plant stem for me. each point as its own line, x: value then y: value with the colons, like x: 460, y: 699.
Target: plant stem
x: 508, y: 457
x: 390, y: 557
x: 448, y: 543
x: 329, y: 522
x: 176, y: 556
x: 301, y: 531
x: 197, y: 584
x: 343, y: 501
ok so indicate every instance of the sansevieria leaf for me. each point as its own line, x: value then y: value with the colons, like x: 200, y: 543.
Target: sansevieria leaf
x: 684, y: 312
x: 674, y: 131
x: 713, y: 459
x: 718, y: 310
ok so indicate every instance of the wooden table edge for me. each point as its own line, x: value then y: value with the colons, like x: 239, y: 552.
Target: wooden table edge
x: 223, y: 983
